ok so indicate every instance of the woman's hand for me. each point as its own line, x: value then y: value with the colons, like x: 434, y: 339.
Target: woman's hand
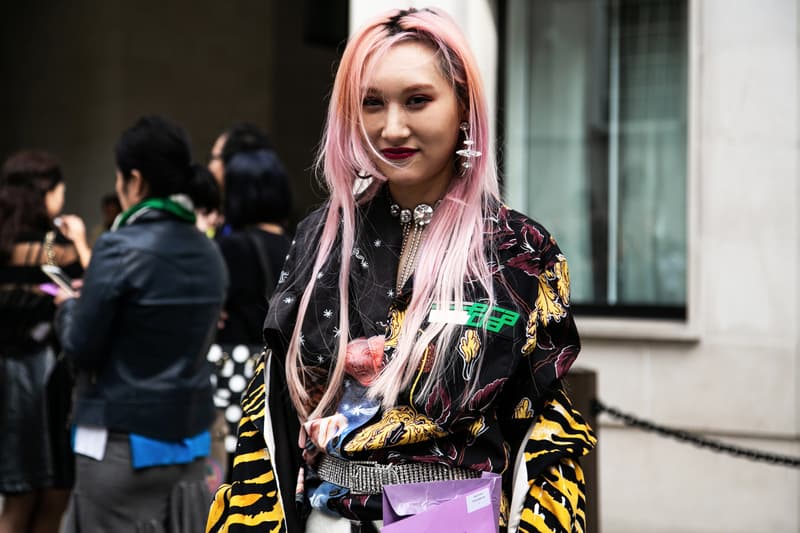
x: 300, y: 487
x: 62, y: 295
x: 316, y: 434
x: 74, y: 229
x: 310, y: 450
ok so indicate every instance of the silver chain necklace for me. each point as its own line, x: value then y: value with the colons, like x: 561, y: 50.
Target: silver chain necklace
x: 413, y: 224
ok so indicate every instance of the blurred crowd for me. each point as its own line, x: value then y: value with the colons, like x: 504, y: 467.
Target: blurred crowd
x: 125, y: 347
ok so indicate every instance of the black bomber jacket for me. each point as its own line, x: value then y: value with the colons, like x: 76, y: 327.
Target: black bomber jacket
x: 140, y: 330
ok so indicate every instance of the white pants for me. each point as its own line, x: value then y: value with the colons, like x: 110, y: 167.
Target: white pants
x: 319, y: 522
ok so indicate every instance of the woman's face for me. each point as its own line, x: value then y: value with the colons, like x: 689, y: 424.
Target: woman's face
x: 54, y: 200
x: 411, y: 116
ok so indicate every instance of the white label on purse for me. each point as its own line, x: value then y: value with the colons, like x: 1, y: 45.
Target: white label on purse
x: 91, y: 441
x: 478, y: 500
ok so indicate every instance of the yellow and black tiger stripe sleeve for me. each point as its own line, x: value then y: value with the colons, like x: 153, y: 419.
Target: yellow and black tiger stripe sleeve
x: 555, y: 501
x: 251, y: 503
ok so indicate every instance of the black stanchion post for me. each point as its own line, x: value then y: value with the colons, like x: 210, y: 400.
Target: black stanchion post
x: 582, y: 389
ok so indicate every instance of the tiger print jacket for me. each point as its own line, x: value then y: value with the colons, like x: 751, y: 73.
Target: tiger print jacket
x: 518, y: 421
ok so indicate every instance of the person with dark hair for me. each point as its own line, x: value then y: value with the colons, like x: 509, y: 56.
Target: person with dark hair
x: 244, y: 137
x: 35, y: 472
x: 258, y: 202
x: 207, y: 198
x: 240, y: 137
x: 137, y: 334
x: 109, y: 208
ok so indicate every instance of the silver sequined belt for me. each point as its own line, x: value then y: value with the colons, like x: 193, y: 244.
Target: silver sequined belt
x: 369, y: 477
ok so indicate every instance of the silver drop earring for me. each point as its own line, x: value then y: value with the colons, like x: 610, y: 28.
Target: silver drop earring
x: 363, y: 174
x: 467, y: 152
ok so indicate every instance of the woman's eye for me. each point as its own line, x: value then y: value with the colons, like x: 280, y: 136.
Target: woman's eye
x: 418, y: 101
x: 372, y: 101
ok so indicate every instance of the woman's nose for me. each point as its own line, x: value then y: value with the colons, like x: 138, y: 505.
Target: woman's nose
x: 395, y: 128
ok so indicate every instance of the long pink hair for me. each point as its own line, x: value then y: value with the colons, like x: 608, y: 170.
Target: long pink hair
x: 453, y: 251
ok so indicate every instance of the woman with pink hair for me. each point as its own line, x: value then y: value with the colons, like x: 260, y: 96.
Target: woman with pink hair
x: 420, y: 327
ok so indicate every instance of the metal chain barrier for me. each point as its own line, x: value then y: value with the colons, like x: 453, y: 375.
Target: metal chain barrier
x: 684, y: 436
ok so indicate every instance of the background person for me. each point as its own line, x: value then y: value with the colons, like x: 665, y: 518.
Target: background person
x: 109, y: 209
x: 421, y: 323
x: 207, y: 199
x: 240, y: 137
x: 138, y: 334
x: 258, y: 202
x: 206, y: 196
x: 36, y: 470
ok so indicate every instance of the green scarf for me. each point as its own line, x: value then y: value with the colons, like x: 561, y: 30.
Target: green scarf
x: 161, y: 204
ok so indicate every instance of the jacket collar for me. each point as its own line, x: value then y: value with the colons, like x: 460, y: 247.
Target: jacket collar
x: 178, y: 205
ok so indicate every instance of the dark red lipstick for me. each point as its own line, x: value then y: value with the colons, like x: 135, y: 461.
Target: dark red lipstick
x: 398, y: 153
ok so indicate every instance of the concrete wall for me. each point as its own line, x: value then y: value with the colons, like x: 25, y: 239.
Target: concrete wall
x: 735, y: 376
x: 303, y: 78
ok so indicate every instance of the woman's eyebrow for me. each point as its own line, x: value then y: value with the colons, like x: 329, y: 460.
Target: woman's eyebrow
x: 372, y: 91
x: 419, y: 87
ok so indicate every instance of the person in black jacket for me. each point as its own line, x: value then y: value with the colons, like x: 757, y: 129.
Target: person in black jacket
x: 35, y: 463
x: 258, y: 202
x: 138, y: 335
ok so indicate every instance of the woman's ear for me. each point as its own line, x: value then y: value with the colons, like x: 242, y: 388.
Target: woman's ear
x: 137, y: 187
